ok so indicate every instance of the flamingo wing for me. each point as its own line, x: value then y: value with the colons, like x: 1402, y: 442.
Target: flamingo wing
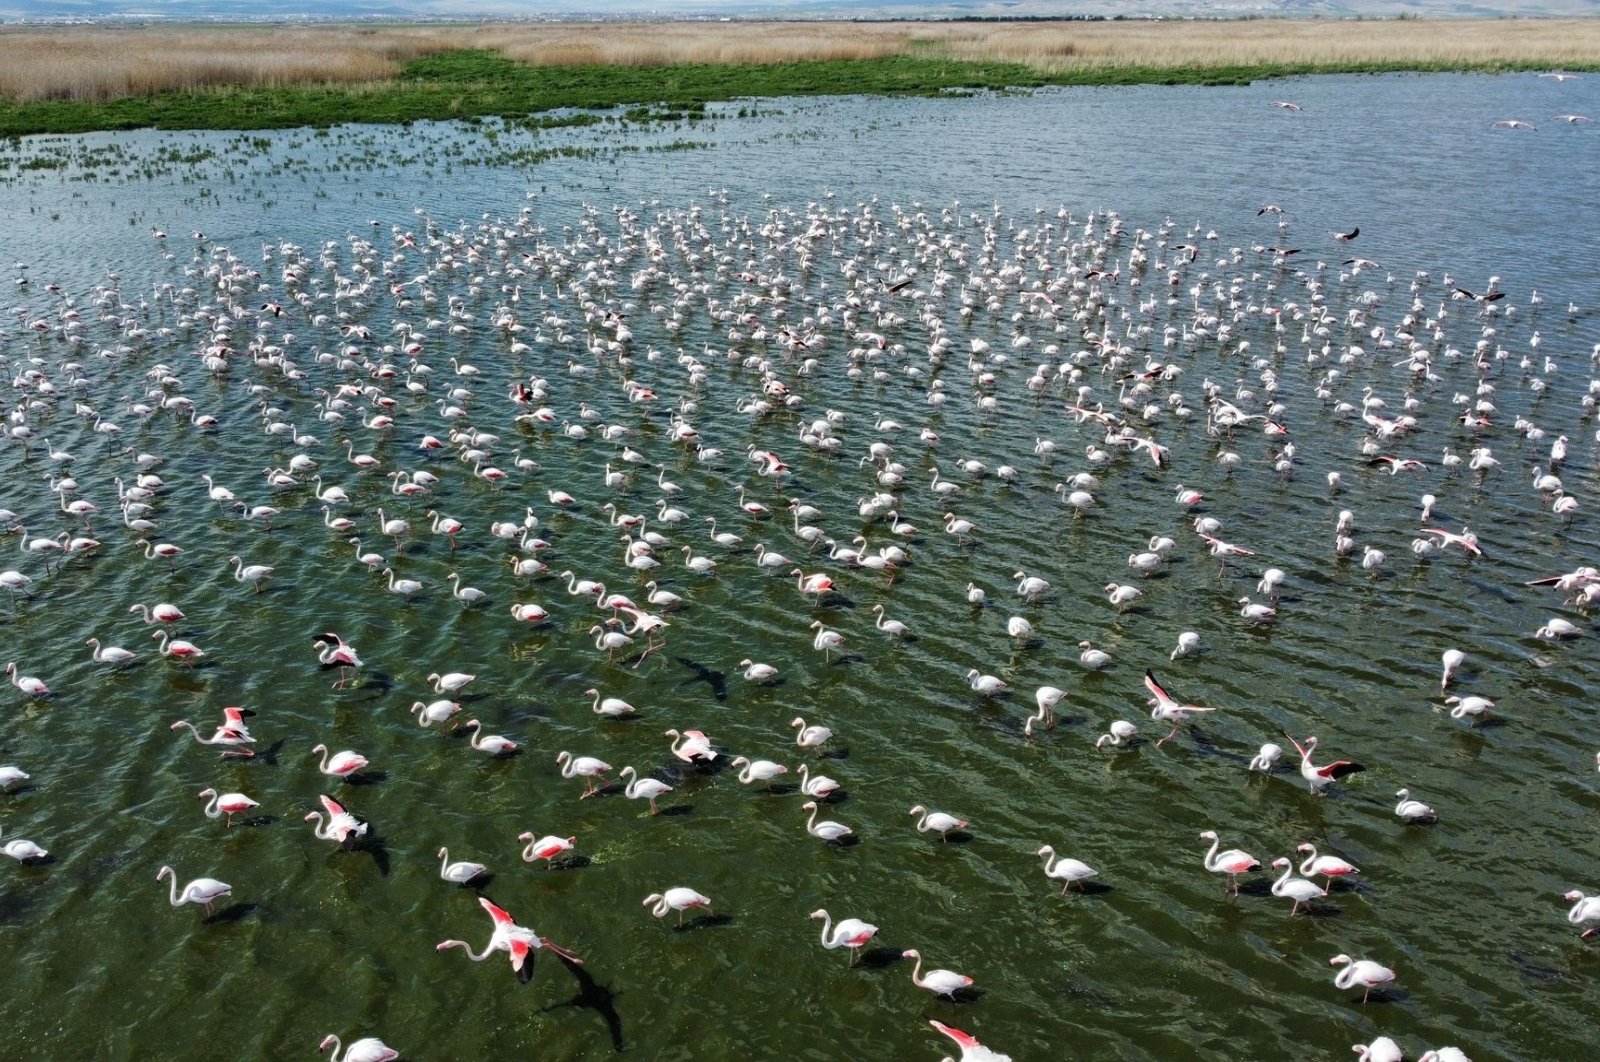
x: 1339, y: 768
x: 966, y: 1041
x: 334, y: 807
x: 1162, y: 696
x: 521, y: 958
x: 501, y: 916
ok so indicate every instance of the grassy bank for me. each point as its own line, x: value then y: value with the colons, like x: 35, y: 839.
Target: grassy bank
x: 72, y: 80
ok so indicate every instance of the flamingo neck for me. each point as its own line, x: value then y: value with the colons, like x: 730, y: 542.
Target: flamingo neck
x: 1211, y: 856
x: 1305, y: 864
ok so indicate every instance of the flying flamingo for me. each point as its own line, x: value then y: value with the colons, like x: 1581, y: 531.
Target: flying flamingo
x: 677, y: 899
x: 1233, y: 862
x: 341, y: 827
x: 1166, y: 708
x: 971, y: 1049
x: 366, y: 1049
x: 1320, y: 778
x: 518, y: 942
x: 545, y: 848
x: 344, y: 764
x: 232, y: 732
x: 851, y: 933
x: 201, y: 890
x: 335, y: 652
x: 229, y: 804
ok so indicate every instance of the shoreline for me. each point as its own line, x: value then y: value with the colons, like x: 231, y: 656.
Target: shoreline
x: 228, y: 78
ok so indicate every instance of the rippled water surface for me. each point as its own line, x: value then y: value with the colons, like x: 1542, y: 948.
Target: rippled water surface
x: 724, y: 232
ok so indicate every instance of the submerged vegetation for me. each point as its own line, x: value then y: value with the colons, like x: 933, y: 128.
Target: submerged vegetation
x: 74, y: 79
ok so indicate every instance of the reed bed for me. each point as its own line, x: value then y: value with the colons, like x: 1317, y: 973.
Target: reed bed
x: 93, y: 64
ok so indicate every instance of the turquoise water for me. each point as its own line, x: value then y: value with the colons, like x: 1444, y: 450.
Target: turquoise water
x: 699, y: 249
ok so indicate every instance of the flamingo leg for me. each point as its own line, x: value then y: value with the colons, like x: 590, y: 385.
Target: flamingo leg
x: 559, y: 950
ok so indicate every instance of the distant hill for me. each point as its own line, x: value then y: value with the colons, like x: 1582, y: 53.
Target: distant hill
x: 175, y: 10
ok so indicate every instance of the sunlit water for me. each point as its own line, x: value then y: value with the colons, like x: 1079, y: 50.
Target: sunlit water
x: 1156, y: 962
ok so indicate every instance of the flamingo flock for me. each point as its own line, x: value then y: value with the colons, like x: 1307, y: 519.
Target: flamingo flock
x: 637, y: 344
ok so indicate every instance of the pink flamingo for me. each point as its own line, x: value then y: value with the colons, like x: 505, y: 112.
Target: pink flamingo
x: 519, y: 942
x: 342, y: 764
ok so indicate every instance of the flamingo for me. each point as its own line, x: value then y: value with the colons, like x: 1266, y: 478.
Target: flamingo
x: 335, y: 652
x: 341, y: 827
x: 491, y: 744
x: 826, y: 641
x: 1320, y: 778
x: 205, y: 891
x: 251, y: 573
x: 459, y: 873
x: 366, y: 1049
x: 971, y: 1049
x: 545, y: 848
x: 342, y: 764
x: 160, y: 613
x: 1046, y: 698
x: 1362, y: 972
x: 1166, y: 708
x: 1267, y: 758
x: 609, y: 640
x: 678, y: 899
x: 1444, y: 1054
x: 516, y: 941
x: 1329, y: 867
x: 165, y: 550
x: 1382, y: 1049
x: 611, y: 707
x: 691, y: 745
x: 1233, y: 862
x: 643, y: 788
x: 114, y: 655
x: 818, y: 584
x: 937, y: 821
x: 1297, y: 889
x: 24, y: 851
x: 851, y: 933
x: 809, y: 737
x: 450, y: 682
x: 28, y: 684
x: 940, y: 982
x: 231, y: 732
x: 1120, y: 732
x: 828, y: 830
x: 1453, y: 659
x: 1066, y: 870
x: 229, y: 804
x: 177, y: 649
x: 1410, y: 810
x: 1584, y: 909
x: 819, y: 786
x: 754, y: 672
x: 437, y: 712
x: 11, y: 775
x: 587, y: 767
x: 763, y: 771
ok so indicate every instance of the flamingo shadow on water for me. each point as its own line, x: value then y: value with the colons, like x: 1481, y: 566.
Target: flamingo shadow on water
x: 705, y: 921
x: 365, y: 777
x: 717, y: 680
x: 593, y: 996
x: 571, y: 862
x: 234, y: 912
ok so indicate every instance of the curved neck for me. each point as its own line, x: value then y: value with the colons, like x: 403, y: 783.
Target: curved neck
x: 1211, y: 856
x: 337, y: 1048
x: 916, y: 972
x: 172, y: 890
x: 1305, y: 864
x: 827, y: 930
x: 1277, y: 886
x: 212, y: 811
x: 324, y: 766
x: 1050, y: 861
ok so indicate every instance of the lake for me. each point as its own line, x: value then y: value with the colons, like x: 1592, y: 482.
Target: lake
x: 827, y: 260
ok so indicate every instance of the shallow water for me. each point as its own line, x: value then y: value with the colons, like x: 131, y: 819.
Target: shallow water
x: 1156, y: 962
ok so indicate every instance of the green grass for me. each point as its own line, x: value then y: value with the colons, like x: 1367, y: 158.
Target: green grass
x: 479, y: 83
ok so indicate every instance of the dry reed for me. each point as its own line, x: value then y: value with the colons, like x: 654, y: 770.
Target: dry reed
x: 98, y: 64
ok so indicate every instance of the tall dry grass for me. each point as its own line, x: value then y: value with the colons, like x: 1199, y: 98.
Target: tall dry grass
x: 91, y: 63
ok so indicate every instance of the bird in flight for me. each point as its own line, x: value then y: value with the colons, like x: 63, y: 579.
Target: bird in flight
x: 1572, y: 119
x: 1561, y: 77
x: 1513, y: 123
x: 1488, y: 296
x: 1286, y: 105
x: 1346, y: 237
